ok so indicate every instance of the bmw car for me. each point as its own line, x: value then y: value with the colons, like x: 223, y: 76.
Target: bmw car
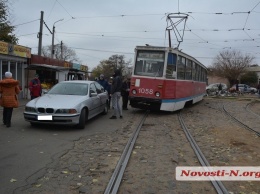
x: 68, y: 103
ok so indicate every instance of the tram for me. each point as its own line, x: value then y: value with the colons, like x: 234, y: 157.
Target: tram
x: 166, y: 79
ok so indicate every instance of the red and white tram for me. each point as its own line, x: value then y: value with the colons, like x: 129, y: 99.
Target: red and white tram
x: 166, y: 79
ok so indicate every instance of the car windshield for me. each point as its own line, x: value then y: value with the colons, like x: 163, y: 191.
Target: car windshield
x: 64, y: 88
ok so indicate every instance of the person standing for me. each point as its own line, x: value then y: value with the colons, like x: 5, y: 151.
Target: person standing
x: 109, y: 91
x: 125, y: 92
x: 258, y: 89
x: 9, y: 88
x: 35, y: 87
x: 103, y: 82
x: 116, y: 94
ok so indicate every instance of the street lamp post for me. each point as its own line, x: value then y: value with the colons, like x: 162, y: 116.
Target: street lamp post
x: 53, y: 32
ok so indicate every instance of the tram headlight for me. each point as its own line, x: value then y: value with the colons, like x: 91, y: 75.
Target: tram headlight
x: 134, y: 92
x: 157, y: 94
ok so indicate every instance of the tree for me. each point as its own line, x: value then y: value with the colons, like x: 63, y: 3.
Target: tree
x: 60, y: 52
x: 249, y: 78
x: 6, y: 30
x: 107, y: 67
x: 231, y: 65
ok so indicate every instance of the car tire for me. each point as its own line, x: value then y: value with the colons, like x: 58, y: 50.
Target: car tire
x: 82, y: 119
x: 105, y: 111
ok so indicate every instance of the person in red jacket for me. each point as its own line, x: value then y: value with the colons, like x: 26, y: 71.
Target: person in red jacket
x: 9, y: 88
x: 35, y: 87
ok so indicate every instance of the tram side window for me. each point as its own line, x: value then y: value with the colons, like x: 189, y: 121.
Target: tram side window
x: 171, y: 66
x: 193, y: 71
x: 198, y: 73
x: 188, y: 73
x: 181, y: 67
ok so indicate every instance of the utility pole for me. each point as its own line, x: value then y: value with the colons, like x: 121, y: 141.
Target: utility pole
x: 53, y: 32
x: 61, y: 50
x: 40, y: 35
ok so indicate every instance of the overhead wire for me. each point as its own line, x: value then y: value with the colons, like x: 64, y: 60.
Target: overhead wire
x: 190, y: 30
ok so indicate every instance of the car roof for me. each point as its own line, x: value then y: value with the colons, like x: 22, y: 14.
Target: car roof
x: 78, y: 81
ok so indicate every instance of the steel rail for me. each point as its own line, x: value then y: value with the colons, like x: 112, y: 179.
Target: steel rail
x: 248, y: 109
x: 219, y: 187
x: 241, y: 123
x: 117, y: 175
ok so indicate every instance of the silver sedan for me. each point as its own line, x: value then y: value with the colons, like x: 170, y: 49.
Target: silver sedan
x: 68, y: 103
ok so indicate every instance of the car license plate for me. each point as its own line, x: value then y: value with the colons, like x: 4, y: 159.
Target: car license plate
x: 45, y: 117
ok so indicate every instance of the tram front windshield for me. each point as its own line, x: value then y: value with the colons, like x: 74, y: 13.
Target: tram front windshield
x: 149, y: 63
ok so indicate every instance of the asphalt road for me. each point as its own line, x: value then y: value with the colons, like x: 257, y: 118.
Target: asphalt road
x: 25, y: 150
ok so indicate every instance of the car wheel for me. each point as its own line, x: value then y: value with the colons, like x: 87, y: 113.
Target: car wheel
x: 82, y: 119
x: 105, y: 111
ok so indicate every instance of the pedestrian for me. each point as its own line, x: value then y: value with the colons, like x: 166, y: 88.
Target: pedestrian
x: 116, y: 94
x: 219, y: 89
x: 103, y: 82
x: 35, y: 87
x: 237, y: 88
x: 125, y: 92
x: 9, y: 88
x: 109, y: 91
x: 258, y: 89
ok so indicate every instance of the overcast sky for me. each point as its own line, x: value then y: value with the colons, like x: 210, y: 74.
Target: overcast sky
x: 97, y: 29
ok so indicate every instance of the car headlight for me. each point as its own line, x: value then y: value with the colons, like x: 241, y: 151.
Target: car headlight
x: 157, y: 94
x: 134, y: 92
x: 66, y: 111
x: 30, y: 109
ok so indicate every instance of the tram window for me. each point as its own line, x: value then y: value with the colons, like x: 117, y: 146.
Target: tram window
x: 188, y: 72
x: 198, y: 73
x: 171, y: 66
x: 193, y: 71
x: 181, y: 67
x: 149, y: 63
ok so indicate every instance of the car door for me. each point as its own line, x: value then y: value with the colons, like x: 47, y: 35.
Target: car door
x: 102, y: 96
x: 95, y: 101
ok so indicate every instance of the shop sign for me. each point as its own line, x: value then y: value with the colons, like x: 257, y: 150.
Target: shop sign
x: 83, y: 68
x: 76, y: 66
x: 66, y: 64
x: 3, y: 48
x: 22, y: 51
x: 16, y: 50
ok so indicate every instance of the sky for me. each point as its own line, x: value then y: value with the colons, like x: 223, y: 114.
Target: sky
x: 98, y: 29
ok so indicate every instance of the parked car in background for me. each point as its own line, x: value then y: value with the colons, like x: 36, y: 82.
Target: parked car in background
x: 68, y: 103
x: 214, y: 87
x: 243, y: 88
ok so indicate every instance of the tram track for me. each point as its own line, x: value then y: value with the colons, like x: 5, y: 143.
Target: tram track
x: 117, y: 175
x: 116, y: 178
x: 219, y: 187
x: 241, y: 123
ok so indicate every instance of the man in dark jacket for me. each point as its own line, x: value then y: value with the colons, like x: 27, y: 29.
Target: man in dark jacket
x: 103, y: 82
x: 116, y: 94
x: 125, y: 92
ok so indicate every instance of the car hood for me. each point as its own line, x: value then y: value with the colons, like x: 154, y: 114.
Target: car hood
x: 56, y: 101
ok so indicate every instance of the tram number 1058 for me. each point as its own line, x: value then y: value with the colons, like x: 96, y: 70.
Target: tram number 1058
x: 145, y: 91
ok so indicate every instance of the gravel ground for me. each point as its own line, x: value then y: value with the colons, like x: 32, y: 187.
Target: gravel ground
x: 160, y: 147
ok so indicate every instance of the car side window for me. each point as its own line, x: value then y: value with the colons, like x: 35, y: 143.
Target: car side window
x: 92, y: 89
x: 100, y: 88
